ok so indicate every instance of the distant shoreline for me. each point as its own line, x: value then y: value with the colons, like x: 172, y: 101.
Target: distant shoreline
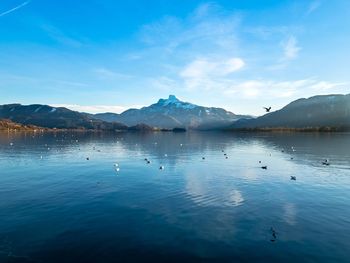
x: 240, y: 130
x: 285, y: 129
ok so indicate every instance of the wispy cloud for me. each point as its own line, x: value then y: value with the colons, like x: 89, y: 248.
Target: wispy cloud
x: 60, y: 37
x: 108, y: 74
x: 14, y: 9
x: 41, y: 81
x: 164, y: 84
x: 291, y: 51
x: 313, y: 6
x: 208, y: 27
x: 291, y: 48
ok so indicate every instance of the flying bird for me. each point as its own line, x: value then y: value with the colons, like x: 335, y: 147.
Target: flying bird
x: 267, y: 109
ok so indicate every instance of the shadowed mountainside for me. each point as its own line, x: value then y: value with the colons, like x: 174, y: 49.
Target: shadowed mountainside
x: 318, y: 112
x: 51, y: 117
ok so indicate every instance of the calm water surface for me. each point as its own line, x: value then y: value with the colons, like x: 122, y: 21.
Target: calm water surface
x: 57, y: 206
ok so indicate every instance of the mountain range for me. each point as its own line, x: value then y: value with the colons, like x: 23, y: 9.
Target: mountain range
x: 52, y: 117
x: 332, y: 111
x: 172, y: 113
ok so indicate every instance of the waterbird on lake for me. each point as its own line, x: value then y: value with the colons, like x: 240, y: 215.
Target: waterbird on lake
x: 161, y: 167
x: 267, y: 109
x: 203, y: 158
x: 87, y: 158
x: 226, y: 157
x: 148, y: 161
x: 274, y: 234
x: 259, y: 161
x: 326, y: 162
x: 264, y: 167
x: 11, y: 143
x: 294, y: 178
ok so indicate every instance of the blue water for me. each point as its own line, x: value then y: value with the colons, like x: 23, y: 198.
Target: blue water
x: 57, y: 206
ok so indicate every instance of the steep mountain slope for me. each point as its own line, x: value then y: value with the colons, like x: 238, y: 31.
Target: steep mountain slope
x: 314, y: 112
x: 50, y: 117
x: 171, y: 113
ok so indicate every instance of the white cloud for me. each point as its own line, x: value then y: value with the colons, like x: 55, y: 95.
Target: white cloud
x: 327, y: 86
x: 95, y: 108
x: 15, y: 8
x: 253, y: 89
x: 205, y: 72
x: 231, y: 66
x: 197, y: 69
x: 291, y: 48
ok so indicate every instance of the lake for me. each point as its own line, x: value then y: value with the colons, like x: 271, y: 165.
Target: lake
x: 62, y: 198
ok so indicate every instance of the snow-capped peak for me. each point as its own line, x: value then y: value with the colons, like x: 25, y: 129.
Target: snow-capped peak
x: 170, y: 100
x: 173, y: 101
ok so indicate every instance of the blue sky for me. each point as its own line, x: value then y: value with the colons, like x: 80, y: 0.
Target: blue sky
x: 98, y: 56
